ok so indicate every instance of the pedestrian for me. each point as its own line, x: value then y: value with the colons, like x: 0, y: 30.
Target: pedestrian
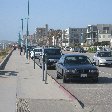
x: 24, y: 47
x: 29, y: 54
x: 21, y: 50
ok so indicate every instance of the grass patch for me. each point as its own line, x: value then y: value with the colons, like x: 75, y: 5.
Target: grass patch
x: 4, y: 53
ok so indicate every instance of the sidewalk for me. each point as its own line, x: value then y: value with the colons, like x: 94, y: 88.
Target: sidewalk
x: 20, y: 81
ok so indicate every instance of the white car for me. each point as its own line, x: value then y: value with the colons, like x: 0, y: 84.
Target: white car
x: 38, y: 53
x: 103, y: 58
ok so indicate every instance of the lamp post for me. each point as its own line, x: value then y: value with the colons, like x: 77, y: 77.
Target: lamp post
x: 22, y: 33
x: 22, y: 26
x: 27, y: 33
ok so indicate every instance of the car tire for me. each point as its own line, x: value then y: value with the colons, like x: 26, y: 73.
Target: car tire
x: 58, y: 77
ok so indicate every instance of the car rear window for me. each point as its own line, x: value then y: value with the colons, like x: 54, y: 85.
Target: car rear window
x: 38, y: 50
x: 104, y: 54
x: 72, y: 60
x: 52, y: 51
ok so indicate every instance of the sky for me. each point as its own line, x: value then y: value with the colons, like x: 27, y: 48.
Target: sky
x: 58, y: 14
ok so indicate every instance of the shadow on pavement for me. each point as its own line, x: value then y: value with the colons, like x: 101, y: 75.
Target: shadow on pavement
x: 101, y: 80
x: 8, y: 73
x: 104, y: 80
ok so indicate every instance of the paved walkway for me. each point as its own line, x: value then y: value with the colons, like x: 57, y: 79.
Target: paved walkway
x: 20, y: 81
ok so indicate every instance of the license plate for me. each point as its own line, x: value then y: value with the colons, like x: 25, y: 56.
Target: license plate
x: 83, y: 75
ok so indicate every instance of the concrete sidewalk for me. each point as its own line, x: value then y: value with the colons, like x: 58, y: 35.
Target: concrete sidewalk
x: 20, y: 82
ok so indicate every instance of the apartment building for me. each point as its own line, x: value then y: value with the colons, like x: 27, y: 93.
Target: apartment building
x: 72, y: 36
x: 92, y: 34
x: 104, y: 32
x: 99, y: 33
x: 41, y: 34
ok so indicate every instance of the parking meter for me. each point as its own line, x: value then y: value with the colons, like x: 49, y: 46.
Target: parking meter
x: 34, y: 59
x: 45, y: 68
x: 43, y: 64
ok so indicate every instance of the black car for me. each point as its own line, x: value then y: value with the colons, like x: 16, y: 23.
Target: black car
x: 76, y: 66
x: 52, y: 54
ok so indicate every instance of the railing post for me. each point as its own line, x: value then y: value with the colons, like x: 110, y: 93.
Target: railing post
x: 43, y: 65
x: 45, y: 68
x: 34, y: 58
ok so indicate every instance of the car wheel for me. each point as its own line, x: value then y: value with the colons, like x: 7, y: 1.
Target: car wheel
x: 58, y: 77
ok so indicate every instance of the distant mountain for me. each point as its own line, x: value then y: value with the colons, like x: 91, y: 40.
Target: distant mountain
x: 7, y: 42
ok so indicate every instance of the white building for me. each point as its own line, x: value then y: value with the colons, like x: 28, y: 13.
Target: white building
x: 65, y: 37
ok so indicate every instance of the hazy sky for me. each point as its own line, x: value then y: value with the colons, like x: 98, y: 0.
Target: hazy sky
x: 58, y: 14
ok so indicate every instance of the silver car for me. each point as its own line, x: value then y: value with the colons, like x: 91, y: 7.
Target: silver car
x: 103, y: 58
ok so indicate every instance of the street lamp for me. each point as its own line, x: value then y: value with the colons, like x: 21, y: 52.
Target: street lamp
x: 22, y: 26
x: 27, y: 33
x: 22, y: 33
x: 27, y: 30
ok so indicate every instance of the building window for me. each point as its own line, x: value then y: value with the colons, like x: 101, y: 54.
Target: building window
x: 105, y: 28
x: 103, y: 36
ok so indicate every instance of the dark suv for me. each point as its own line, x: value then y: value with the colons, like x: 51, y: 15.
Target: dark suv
x: 52, y: 54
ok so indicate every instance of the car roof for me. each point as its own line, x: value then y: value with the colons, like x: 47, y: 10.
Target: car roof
x: 102, y: 51
x: 51, y: 48
x: 74, y: 55
x: 38, y: 48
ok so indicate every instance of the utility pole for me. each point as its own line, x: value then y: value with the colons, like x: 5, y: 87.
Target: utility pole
x: 22, y: 34
x: 27, y: 33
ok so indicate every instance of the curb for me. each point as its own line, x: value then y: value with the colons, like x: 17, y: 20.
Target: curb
x: 69, y: 93
x: 5, y: 60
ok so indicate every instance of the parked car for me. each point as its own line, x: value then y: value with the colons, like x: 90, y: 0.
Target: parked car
x: 53, y: 55
x: 76, y: 66
x: 103, y: 58
x: 76, y: 49
x: 67, y: 48
x: 38, y: 52
x: 81, y: 50
x: 30, y: 48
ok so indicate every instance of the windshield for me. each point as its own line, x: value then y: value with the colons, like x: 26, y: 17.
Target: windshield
x: 104, y: 54
x: 73, y: 60
x: 38, y: 50
x: 52, y: 51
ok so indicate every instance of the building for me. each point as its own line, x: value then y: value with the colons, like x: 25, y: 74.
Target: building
x: 54, y: 37
x: 73, y: 36
x: 104, y: 32
x: 99, y: 33
x: 41, y: 34
x: 92, y: 34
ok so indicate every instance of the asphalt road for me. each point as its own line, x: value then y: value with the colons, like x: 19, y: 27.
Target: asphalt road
x: 94, y: 97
